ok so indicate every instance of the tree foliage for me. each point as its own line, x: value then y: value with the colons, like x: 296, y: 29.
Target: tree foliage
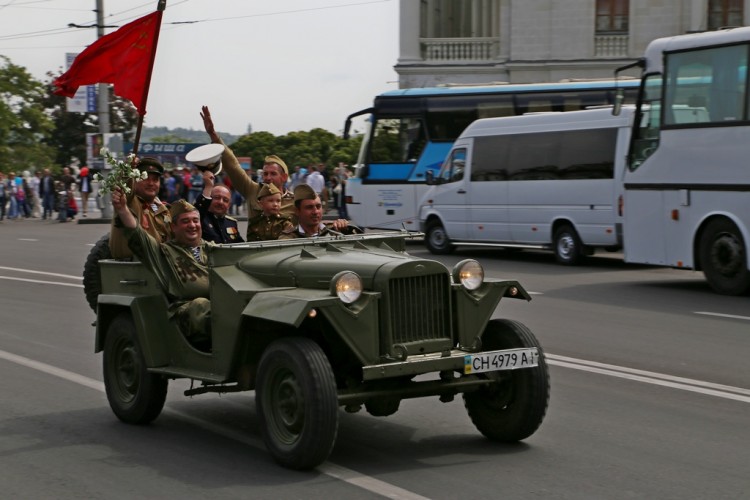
x: 318, y: 146
x: 68, y: 137
x: 37, y: 131
x: 24, y: 125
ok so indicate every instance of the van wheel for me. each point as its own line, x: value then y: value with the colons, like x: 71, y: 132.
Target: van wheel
x: 135, y: 396
x: 92, y: 279
x: 723, y: 258
x: 297, y: 402
x: 567, y: 246
x: 512, y: 408
x: 437, y: 240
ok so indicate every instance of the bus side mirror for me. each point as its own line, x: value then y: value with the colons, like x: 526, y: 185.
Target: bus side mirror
x: 429, y: 178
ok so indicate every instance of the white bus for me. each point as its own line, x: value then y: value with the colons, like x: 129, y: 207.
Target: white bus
x: 687, y: 185
x: 546, y: 181
x: 410, y: 131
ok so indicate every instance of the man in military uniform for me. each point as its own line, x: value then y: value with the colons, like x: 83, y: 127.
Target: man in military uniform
x: 275, y: 172
x: 270, y: 223
x: 180, y: 265
x: 309, y: 210
x: 146, y: 207
x: 213, y: 205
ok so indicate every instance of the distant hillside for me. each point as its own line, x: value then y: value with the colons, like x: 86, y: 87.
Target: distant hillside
x: 189, y: 135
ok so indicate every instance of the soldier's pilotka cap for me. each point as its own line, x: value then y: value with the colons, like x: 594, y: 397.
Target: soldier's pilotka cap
x: 180, y: 207
x: 278, y: 161
x: 267, y: 190
x: 304, y: 192
x: 150, y: 165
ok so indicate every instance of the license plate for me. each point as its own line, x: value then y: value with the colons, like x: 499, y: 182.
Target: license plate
x: 509, y: 359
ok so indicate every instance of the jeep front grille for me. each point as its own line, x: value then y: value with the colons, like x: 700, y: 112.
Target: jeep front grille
x: 420, y: 308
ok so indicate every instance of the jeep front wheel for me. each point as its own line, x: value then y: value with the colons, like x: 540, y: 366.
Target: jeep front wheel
x: 297, y: 402
x: 512, y: 408
x: 135, y: 396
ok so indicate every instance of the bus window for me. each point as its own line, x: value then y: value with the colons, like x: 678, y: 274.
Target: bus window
x: 648, y: 119
x: 397, y: 140
x: 706, y: 85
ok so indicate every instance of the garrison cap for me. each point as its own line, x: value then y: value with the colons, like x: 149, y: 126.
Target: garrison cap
x: 180, y: 207
x: 304, y: 192
x: 268, y: 189
x: 278, y: 161
x: 150, y: 165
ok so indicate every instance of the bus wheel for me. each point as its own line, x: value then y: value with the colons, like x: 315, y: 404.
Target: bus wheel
x: 437, y: 240
x: 723, y: 258
x: 568, y: 247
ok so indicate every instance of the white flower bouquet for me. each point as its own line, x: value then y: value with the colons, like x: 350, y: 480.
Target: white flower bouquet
x: 122, y: 176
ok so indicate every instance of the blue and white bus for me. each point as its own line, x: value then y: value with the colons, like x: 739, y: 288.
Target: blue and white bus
x: 687, y: 183
x: 410, y: 131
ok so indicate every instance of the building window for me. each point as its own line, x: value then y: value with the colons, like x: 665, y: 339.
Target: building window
x: 723, y: 13
x: 612, y: 16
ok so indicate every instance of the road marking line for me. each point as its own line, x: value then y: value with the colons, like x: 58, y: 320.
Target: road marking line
x: 685, y: 384
x: 40, y: 272
x: 41, y: 281
x: 732, y: 316
x: 27, y: 239
x: 330, y: 469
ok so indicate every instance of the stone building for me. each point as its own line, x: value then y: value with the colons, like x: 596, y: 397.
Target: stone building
x: 522, y: 41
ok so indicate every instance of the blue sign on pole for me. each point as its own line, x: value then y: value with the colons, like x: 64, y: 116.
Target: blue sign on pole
x: 91, y: 98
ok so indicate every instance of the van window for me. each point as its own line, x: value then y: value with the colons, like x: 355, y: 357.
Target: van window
x: 564, y: 155
x: 454, y: 166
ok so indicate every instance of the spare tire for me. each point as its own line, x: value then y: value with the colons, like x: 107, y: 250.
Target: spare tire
x: 92, y: 279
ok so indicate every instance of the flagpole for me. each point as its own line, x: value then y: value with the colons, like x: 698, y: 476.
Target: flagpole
x: 160, y: 8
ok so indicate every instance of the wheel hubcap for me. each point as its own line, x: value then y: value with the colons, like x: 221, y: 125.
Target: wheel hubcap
x: 287, y: 407
x: 726, y: 255
x: 565, y: 246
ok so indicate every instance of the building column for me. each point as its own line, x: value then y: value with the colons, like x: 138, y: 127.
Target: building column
x: 409, y: 30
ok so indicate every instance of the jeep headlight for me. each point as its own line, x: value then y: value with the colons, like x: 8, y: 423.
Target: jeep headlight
x: 469, y: 273
x: 347, y: 286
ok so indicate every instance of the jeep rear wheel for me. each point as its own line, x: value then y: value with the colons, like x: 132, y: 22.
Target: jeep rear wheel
x: 514, y: 406
x: 297, y: 402
x: 135, y: 396
x: 92, y: 280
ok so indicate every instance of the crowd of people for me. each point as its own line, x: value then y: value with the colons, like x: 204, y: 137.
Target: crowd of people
x: 43, y: 195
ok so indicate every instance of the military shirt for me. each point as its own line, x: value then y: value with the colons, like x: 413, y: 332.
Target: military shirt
x: 153, y: 217
x: 248, y: 188
x: 215, y: 228
x: 179, y: 274
x: 267, y: 227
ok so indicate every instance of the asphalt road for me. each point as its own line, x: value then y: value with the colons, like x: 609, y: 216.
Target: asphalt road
x: 650, y: 398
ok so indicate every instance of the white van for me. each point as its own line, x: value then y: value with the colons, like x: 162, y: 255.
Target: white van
x: 546, y: 180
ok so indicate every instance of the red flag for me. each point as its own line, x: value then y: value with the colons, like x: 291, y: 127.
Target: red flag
x: 123, y: 58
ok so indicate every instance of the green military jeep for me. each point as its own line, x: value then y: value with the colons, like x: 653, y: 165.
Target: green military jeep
x: 316, y: 324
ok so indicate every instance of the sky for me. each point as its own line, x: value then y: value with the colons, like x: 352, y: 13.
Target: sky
x: 276, y: 65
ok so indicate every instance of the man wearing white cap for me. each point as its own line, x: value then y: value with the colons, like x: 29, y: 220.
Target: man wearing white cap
x: 275, y: 172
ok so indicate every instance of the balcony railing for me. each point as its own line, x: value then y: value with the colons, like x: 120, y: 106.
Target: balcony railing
x: 459, y: 49
x: 611, y: 45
